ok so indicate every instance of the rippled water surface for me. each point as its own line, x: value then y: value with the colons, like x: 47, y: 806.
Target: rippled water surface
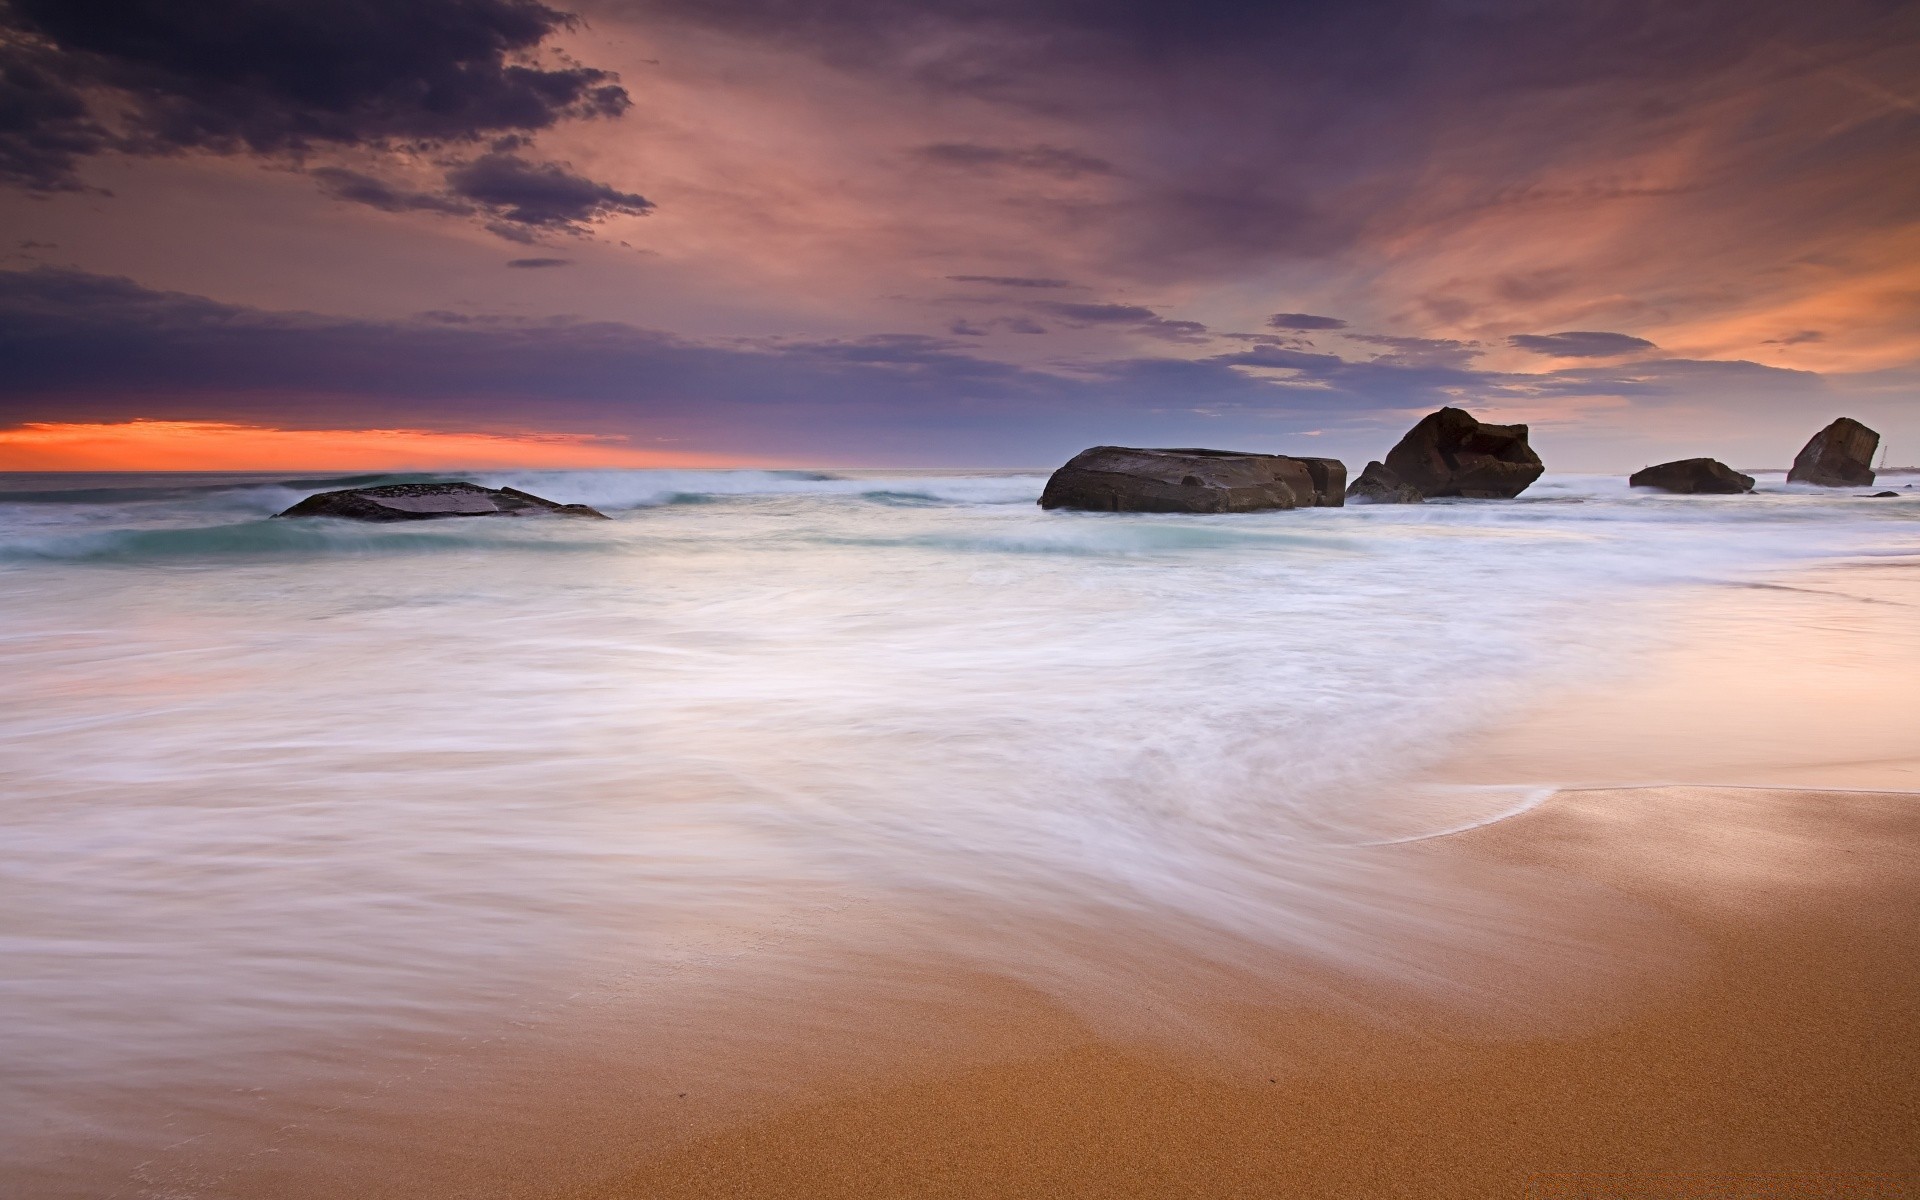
x: 276, y: 791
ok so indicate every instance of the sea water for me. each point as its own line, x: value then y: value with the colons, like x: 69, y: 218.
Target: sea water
x: 275, y: 794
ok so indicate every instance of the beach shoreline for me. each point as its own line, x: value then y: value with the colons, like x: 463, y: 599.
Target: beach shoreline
x: 1726, y: 881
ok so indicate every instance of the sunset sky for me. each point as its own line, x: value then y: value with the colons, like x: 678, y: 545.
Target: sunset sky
x: 382, y: 233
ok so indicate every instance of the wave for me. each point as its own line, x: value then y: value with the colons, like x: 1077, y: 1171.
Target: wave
x: 655, y: 488
x: 140, y: 488
x: 282, y: 539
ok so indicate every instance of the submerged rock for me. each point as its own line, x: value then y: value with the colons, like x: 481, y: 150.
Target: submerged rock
x: 1841, y: 455
x: 1379, y: 485
x: 1884, y: 496
x: 1691, y: 476
x: 432, y: 501
x: 1125, y: 479
x: 1449, y: 453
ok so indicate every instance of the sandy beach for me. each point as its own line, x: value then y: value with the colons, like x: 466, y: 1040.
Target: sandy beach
x: 1785, y: 1065
x: 1776, y: 1054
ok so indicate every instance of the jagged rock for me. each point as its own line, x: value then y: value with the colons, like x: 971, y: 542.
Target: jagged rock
x: 1379, y: 485
x: 432, y: 501
x: 1841, y: 455
x: 1693, y: 475
x: 1449, y: 453
x: 1125, y: 479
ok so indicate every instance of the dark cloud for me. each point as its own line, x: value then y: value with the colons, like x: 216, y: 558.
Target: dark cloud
x: 1581, y: 344
x: 1135, y: 317
x: 1099, y: 313
x: 534, y: 263
x: 525, y: 198
x: 1046, y: 160
x: 357, y: 188
x: 1284, y: 358
x: 1014, y: 324
x: 1012, y: 281
x: 1304, y: 321
x: 1419, y: 351
x: 45, y: 124
x: 276, y: 78
x: 1797, y: 339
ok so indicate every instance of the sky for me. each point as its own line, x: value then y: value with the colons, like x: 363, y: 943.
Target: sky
x: 249, y: 234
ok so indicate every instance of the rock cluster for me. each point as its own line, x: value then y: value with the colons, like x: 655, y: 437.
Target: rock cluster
x: 432, y: 501
x: 1126, y: 479
x: 1841, y: 455
x: 1693, y: 476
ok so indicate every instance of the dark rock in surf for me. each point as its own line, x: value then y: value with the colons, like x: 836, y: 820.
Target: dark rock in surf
x: 1449, y: 453
x: 431, y: 502
x: 1884, y: 496
x: 1379, y: 485
x: 1125, y: 479
x: 1841, y: 455
x: 1693, y: 476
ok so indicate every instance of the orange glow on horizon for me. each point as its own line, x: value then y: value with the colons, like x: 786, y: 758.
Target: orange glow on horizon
x: 144, y: 445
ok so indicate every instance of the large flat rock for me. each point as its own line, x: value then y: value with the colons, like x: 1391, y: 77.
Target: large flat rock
x: 1692, y: 476
x: 1128, y: 479
x: 431, y: 502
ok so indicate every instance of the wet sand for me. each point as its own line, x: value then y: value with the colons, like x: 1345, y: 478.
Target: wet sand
x: 1787, y: 1064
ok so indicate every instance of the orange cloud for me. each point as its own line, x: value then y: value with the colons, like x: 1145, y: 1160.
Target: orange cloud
x: 218, y: 446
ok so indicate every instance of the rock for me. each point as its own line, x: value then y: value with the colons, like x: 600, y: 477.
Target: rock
x: 1693, y: 476
x: 1379, y: 485
x: 1884, y: 495
x: 1125, y: 479
x: 432, y: 501
x: 1450, y: 454
x: 1841, y: 455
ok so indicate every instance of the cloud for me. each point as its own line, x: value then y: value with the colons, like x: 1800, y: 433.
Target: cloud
x: 357, y: 188
x: 1803, y: 337
x: 85, y: 348
x: 1580, y: 344
x: 535, y: 263
x: 1419, y: 351
x: 1299, y: 133
x: 91, y: 349
x: 1012, y: 324
x: 45, y: 122
x: 277, y: 79
x: 1137, y: 318
x: 1012, y: 281
x: 524, y: 198
x: 1099, y: 313
x: 1304, y: 321
x: 1045, y: 160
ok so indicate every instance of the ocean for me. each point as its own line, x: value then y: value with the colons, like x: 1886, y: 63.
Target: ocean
x: 288, y: 804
